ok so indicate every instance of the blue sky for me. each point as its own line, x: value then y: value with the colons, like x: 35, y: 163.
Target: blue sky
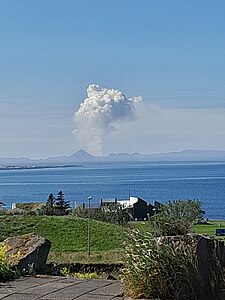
x: 170, y: 52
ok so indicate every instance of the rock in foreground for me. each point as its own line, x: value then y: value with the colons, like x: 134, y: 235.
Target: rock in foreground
x: 29, y: 252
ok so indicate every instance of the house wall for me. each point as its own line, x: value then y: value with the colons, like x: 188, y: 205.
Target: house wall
x: 140, y: 210
x: 151, y: 210
x: 137, y: 207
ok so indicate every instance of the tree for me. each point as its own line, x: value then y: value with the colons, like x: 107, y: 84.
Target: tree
x: 60, y: 204
x: 49, y: 207
x: 117, y: 214
x: 113, y: 213
x: 177, y: 217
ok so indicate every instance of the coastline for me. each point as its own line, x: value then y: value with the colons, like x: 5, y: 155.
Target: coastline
x: 36, y: 167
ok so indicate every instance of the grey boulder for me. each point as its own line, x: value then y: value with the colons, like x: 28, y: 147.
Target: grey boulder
x: 29, y: 252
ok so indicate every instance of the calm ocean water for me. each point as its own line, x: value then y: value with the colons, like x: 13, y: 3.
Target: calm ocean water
x: 150, y: 181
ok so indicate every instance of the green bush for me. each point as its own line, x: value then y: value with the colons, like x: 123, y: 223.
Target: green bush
x: 177, y: 217
x: 114, y: 214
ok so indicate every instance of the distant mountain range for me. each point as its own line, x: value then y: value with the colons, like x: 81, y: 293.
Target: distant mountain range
x: 81, y: 156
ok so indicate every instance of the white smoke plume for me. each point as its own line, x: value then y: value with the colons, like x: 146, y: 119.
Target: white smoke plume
x: 100, y: 114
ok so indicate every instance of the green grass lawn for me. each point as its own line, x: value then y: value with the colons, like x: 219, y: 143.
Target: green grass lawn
x: 67, y: 234
x: 141, y: 225
x: 209, y: 228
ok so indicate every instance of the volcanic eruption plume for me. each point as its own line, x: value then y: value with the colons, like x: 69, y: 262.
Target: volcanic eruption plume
x: 100, y: 114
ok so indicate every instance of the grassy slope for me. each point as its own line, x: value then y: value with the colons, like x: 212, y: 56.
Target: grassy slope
x: 210, y: 228
x: 67, y: 234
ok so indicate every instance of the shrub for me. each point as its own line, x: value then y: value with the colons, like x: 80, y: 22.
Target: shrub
x: 114, y: 214
x: 177, y: 217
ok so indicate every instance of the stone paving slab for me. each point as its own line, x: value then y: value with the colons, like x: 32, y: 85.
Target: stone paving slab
x: 60, y: 288
x: 110, y: 289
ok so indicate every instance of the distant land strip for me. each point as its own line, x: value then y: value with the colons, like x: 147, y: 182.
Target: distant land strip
x: 36, y: 167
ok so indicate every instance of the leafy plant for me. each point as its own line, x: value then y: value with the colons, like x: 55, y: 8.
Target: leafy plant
x: 177, y: 217
x: 6, y: 271
x: 87, y: 275
x: 65, y: 272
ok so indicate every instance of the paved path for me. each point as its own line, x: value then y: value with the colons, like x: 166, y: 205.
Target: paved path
x: 56, y: 287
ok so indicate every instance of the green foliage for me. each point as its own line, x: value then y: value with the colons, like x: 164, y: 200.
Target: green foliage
x: 60, y: 205
x: 55, y: 206
x: 176, y: 217
x: 166, y: 267
x: 159, y: 269
x: 87, y: 275
x: 112, y: 214
x: 49, y: 206
x: 65, y: 272
x: 117, y: 215
x: 6, y: 271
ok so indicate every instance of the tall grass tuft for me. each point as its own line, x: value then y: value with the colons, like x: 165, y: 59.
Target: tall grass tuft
x: 157, y: 268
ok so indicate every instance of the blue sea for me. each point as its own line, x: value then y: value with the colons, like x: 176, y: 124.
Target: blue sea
x: 149, y: 181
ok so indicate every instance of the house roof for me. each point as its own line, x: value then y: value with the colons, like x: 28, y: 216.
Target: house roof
x: 108, y: 201
x: 126, y: 203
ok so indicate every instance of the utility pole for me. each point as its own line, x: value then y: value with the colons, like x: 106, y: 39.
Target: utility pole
x: 89, y: 227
